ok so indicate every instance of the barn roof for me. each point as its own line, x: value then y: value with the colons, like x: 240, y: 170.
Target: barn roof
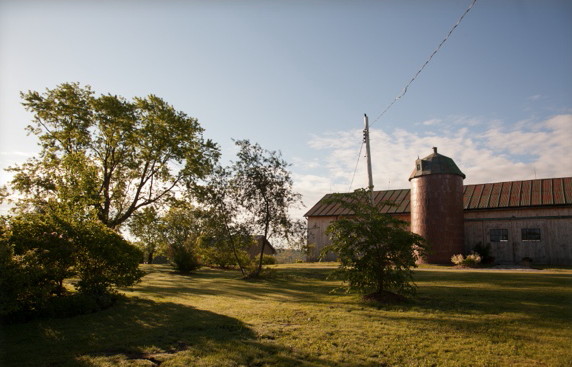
x: 511, y: 194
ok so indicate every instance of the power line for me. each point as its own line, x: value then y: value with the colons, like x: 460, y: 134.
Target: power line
x: 355, y: 169
x: 399, y: 96
x: 425, y: 63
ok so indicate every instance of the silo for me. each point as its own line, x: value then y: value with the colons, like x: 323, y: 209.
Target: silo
x: 437, y: 206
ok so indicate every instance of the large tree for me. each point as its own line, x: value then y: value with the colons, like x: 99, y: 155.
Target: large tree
x: 108, y: 156
x: 376, y: 251
x: 263, y: 187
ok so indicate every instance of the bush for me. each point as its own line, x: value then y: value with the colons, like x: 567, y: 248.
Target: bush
x: 24, y: 283
x: 471, y: 260
x: 216, y: 257
x: 485, y: 252
x: 39, y: 251
x: 105, y: 259
x: 268, y: 260
x: 457, y: 259
x: 375, y: 250
x: 184, y: 258
x: 219, y: 252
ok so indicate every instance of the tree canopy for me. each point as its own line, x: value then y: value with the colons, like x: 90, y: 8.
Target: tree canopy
x: 263, y: 187
x: 376, y: 251
x: 107, y: 156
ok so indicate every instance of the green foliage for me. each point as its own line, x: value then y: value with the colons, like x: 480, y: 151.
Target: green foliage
x: 225, y: 230
x: 147, y: 226
x: 24, y: 283
x: 268, y: 260
x: 185, y: 258
x: 38, y: 251
x: 219, y: 252
x: 181, y: 227
x: 106, y: 156
x: 105, y: 259
x: 263, y: 187
x: 375, y: 250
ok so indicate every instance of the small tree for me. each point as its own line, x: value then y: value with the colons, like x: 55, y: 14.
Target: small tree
x: 224, y: 231
x: 181, y: 228
x: 375, y: 250
x: 263, y: 187
x: 147, y: 226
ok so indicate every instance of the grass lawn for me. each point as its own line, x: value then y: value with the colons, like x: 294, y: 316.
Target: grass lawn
x: 212, y: 318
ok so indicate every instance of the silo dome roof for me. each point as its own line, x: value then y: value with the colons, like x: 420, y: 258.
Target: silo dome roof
x: 435, y: 164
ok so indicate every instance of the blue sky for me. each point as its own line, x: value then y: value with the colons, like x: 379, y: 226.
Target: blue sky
x: 297, y: 76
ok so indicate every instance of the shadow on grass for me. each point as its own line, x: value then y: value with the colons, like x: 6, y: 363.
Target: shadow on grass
x: 140, y: 332
x: 537, y: 297
x: 287, y: 285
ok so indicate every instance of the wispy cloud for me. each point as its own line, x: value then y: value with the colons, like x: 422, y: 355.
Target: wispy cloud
x: 431, y: 122
x: 498, y: 153
x: 535, y: 97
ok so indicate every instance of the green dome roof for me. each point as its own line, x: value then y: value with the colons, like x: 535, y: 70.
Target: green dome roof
x: 435, y: 164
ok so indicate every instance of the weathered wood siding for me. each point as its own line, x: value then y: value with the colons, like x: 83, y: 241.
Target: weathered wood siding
x: 318, y: 239
x: 555, y: 224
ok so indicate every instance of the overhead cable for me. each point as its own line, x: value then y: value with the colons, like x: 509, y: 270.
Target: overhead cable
x: 357, y: 163
x: 425, y: 63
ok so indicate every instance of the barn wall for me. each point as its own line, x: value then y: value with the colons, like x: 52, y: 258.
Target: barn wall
x: 555, y: 224
x: 318, y: 239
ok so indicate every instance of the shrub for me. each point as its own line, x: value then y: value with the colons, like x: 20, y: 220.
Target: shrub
x: 376, y: 251
x: 105, y: 259
x: 220, y: 252
x: 268, y: 260
x: 457, y: 259
x: 485, y: 252
x: 216, y: 257
x: 24, y: 282
x: 184, y: 258
x: 471, y: 260
x: 39, y: 251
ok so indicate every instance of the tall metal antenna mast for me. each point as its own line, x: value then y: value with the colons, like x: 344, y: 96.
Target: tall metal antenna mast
x: 368, y: 154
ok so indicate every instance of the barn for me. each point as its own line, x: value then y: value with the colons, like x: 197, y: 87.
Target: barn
x: 527, y: 220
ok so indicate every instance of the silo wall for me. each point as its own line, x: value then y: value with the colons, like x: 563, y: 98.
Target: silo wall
x: 437, y: 215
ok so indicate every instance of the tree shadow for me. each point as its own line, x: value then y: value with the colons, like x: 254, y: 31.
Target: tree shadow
x: 287, y: 286
x: 140, y: 332
x: 540, y: 298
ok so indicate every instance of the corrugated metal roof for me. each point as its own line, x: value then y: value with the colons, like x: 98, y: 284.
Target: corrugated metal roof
x: 511, y: 194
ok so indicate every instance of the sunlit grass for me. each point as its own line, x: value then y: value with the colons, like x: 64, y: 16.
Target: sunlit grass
x: 296, y: 318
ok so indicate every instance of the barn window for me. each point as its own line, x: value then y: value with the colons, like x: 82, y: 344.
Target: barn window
x: 499, y: 235
x: 531, y: 234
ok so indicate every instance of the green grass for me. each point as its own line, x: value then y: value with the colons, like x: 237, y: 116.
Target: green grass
x: 213, y: 318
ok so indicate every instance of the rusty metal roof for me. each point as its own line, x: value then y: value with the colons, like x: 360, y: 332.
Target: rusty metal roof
x: 399, y: 198
x: 511, y: 194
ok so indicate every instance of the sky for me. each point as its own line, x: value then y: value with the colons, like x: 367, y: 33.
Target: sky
x: 297, y: 77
